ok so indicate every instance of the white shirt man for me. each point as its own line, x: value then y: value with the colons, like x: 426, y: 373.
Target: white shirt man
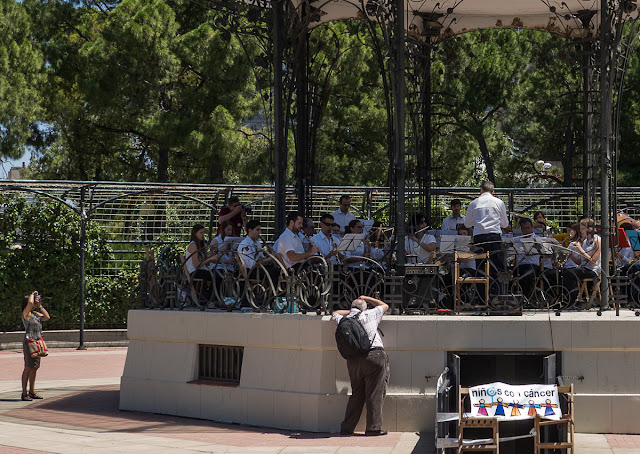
x: 289, y: 244
x: 343, y: 216
x: 450, y: 223
x: 486, y: 214
x: 325, y: 241
x: 250, y: 249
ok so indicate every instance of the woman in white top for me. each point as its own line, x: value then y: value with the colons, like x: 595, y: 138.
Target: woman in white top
x: 226, y: 260
x: 418, y: 244
x: 587, y: 253
x: 197, y: 262
x: 353, y: 258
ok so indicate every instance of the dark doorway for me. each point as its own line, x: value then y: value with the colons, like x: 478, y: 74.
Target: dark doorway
x: 477, y: 368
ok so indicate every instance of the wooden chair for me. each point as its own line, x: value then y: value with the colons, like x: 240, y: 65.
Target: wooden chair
x: 566, y: 420
x: 198, y: 284
x: 585, y: 295
x: 489, y: 425
x: 459, y: 280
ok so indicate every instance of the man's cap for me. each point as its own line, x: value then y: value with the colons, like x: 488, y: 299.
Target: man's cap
x: 455, y: 202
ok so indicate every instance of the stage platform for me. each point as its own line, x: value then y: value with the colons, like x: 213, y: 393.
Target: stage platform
x: 292, y: 376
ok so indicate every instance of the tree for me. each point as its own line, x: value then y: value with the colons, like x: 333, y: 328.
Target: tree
x: 350, y: 140
x: 475, y: 77
x: 157, y: 88
x: 21, y: 68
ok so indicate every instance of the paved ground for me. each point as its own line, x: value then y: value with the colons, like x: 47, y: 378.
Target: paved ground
x: 80, y: 415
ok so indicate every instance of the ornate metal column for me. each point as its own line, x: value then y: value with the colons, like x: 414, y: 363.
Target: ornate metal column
x: 279, y: 139
x: 398, y: 86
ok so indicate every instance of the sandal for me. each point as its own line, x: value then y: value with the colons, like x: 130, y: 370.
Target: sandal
x: 35, y: 396
x: 26, y: 397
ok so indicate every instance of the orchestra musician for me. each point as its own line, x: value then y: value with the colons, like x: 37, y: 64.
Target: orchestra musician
x: 418, y: 244
x: 325, y: 241
x: 587, y: 254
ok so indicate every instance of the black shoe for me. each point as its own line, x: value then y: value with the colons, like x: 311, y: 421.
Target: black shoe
x: 375, y: 433
x: 346, y: 432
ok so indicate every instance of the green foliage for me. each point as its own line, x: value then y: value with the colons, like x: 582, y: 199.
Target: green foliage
x: 21, y: 66
x: 48, y: 260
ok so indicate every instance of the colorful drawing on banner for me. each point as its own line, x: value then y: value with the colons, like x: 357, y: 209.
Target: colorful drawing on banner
x: 500, y: 406
x: 525, y: 401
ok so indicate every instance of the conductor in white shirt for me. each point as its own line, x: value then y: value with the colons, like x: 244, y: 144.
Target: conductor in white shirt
x: 488, y: 217
x: 342, y: 216
x: 451, y: 222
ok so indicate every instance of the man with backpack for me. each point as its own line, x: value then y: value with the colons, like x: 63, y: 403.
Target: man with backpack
x: 360, y: 343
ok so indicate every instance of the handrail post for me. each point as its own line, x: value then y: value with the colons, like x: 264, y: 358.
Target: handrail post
x: 82, y: 274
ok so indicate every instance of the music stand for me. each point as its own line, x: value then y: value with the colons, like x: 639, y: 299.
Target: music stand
x: 634, y: 239
x: 350, y: 241
x: 454, y: 243
x: 537, y: 246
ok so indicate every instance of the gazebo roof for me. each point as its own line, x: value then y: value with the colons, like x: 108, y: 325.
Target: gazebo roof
x: 444, y: 18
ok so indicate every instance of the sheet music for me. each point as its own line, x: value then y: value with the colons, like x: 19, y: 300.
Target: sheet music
x: 454, y: 243
x: 538, y: 246
x: 634, y: 239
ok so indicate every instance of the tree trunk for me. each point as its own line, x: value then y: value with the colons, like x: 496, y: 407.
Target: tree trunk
x: 163, y: 163
x: 484, y: 151
x: 567, y: 162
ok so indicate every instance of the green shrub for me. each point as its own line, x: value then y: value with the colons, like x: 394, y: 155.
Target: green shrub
x: 48, y: 259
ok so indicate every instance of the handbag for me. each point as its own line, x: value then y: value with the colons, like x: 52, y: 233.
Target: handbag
x: 37, y: 347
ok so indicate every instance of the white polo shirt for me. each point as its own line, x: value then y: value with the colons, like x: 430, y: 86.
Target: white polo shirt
x: 342, y: 219
x: 486, y: 214
x: 325, y: 244
x: 451, y: 223
x: 289, y: 241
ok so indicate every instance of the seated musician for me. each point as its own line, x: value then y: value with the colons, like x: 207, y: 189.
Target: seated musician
x: 625, y: 218
x: 250, y: 249
x: 418, y: 244
x: 352, y: 258
x: 624, y: 255
x: 378, y: 248
x: 569, y: 278
x: 451, y: 222
x: 325, y: 241
x: 307, y: 231
x: 587, y: 254
x: 571, y: 234
x: 467, y: 267
x: 335, y: 232
x: 290, y: 246
x: 226, y: 260
x: 196, y: 261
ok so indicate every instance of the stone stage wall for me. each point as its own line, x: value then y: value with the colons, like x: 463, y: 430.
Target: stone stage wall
x: 293, y: 377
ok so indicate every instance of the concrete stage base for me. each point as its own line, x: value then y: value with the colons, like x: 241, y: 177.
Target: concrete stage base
x: 293, y: 377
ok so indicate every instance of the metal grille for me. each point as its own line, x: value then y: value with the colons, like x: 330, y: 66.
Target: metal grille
x: 220, y: 362
x: 133, y: 217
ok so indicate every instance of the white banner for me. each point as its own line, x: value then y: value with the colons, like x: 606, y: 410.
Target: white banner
x: 515, y: 401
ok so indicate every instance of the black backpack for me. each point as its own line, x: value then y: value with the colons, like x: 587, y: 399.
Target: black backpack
x: 351, y: 338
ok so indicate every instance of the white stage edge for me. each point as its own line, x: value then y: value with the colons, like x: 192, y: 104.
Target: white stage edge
x: 293, y: 377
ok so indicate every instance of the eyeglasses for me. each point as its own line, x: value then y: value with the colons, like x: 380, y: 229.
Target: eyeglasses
x: 357, y: 226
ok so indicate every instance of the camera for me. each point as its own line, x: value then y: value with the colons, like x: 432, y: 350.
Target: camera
x: 247, y: 209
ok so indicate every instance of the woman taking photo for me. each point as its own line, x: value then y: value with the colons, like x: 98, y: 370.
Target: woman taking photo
x: 33, y: 314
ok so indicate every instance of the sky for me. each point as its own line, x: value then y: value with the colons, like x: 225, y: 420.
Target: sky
x: 6, y: 164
